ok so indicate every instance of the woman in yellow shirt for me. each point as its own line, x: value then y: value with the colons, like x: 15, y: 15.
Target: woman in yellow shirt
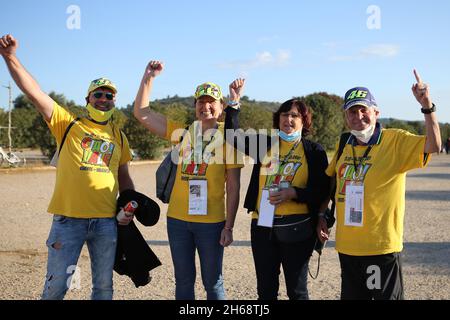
x: 287, y: 185
x: 197, y: 218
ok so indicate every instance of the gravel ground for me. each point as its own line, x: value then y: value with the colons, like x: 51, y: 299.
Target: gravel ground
x: 24, y: 226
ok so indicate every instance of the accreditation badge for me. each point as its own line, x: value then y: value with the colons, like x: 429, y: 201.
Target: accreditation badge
x: 266, y: 210
x: 198, y: 197
x: 354, y: 204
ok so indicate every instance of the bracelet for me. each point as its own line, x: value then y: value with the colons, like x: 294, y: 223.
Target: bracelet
x: 429, y: 110
x: 234, y: 104
x: 227, y: 228
x: 235, y: 107
x: 322, y: 215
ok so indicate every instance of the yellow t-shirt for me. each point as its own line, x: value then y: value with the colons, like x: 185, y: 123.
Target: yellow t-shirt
x: 88, y: 165
x: 216, y: 153
x: 294, y: 170
x: 383, y: 174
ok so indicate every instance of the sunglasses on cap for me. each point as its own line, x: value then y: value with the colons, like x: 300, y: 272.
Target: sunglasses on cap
x: 99, y: 94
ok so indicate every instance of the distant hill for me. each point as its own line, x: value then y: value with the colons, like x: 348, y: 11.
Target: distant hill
x: 189, y: 102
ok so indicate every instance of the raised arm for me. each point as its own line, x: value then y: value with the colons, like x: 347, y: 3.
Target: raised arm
x: 154, y: 122
x: 232, y: 109
x: 433, y: 133
x: 249, y: 142
x: 23, y: 79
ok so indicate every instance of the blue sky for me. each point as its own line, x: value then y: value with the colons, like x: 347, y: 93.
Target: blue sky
x: 283, y: 48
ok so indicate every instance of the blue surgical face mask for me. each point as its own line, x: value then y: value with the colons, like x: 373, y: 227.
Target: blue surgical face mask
x: 290, y: 137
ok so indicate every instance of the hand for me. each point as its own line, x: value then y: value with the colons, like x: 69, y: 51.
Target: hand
x: 236, y: 89
x: 153, y: 69
x: 8, y: 45
x: 421, y: 92
x: 226, y: 237
x: 277, y: 198
x: 322, y: 230
x: 126, y: 220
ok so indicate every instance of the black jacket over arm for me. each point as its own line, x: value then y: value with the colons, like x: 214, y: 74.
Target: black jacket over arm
x: 317, y: 187
x: 134, y: 257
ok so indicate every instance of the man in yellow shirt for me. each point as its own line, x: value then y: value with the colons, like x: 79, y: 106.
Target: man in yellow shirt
x: 92, y: 168
x: 370, y: 194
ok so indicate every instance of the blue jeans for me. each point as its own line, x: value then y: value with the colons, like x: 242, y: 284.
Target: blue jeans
x: 185, y: 238
x: 66, y: 239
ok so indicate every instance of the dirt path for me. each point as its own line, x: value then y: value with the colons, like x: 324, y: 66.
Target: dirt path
x: 24, y: 226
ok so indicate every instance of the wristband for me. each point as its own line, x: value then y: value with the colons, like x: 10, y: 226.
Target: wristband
x: 227, y: 228
x: 429, y: 110
x: 321, y: 215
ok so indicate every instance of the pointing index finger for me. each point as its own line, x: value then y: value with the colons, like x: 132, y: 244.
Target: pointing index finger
x: 416, y: 74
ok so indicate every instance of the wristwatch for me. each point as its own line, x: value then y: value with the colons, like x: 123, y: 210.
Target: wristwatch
x: 429, y: 110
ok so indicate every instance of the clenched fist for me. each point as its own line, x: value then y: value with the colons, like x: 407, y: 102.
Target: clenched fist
x: 153, y: 69
x: 8, y: 45
x: 236, y: 89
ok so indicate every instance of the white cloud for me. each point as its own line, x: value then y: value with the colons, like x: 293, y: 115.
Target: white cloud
x: 262, y: 59
x: 372, y: 51
x: 381, y: 50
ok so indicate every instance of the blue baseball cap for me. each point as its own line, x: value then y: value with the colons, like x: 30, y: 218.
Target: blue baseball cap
x: 358, y: 96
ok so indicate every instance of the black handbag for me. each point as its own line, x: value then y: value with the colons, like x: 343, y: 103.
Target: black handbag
x: 293, y: 228
x: 166, y: 173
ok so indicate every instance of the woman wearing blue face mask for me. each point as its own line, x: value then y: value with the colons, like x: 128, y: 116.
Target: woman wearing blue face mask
x: 287, y: 185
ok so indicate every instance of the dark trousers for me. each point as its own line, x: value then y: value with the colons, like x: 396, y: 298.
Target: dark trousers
x: 371, y: 277
x: 269, y: 255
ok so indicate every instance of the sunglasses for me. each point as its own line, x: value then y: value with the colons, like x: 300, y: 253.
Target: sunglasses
x: 99, y: 94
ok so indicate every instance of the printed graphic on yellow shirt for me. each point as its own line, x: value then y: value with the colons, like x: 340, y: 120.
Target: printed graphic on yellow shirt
x: 346, y: 172
x: 195, y: 163
x: 96, y: 151
x: 284, y: 171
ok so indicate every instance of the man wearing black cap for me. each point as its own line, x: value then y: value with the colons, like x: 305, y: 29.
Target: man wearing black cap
x: 370, y: 194
x: 92, y: 168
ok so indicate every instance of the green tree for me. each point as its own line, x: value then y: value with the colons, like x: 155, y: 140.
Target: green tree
x: 399, y: 124
x: 22, y: 102
x: 176, y: 112
x: 419, y: 126
x: 3, y: 123
x: 253, y: 116
x: 146, y: 144
x: 23, y: 133
x: 44, y: 138
x: 445, y: 132
x: 327, y: 118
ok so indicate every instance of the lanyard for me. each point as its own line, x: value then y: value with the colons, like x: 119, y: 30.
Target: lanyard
x: 288, y: 156
x: 363, y: 158
x: 204, y: 146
